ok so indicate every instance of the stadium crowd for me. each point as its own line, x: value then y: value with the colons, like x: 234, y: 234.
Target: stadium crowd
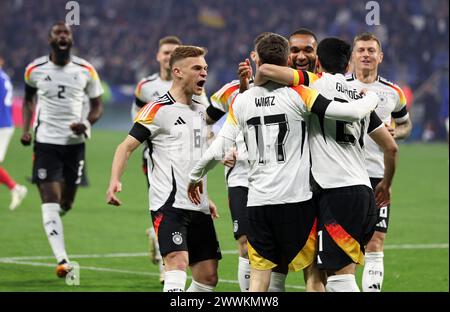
x: 120, y: 37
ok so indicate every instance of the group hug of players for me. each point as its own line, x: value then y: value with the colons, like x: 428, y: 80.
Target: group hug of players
x: 308, y: 146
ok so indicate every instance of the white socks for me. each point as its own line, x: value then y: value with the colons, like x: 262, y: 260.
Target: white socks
x: 174, y: 281
x: 342, y: 283
x: 373, y: 274
x: 277, y: 282
x: 199, y: 287
x: 54, y: 229
x: 244, y: 274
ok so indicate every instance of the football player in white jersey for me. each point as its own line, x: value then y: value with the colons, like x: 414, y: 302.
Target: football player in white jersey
x: 59, y: 82
x: 176, y: 129
x: 236, y: 176
x: 150, y: 89
x: 367, y: 56
x: 272, y: 117
x: 340, y: 178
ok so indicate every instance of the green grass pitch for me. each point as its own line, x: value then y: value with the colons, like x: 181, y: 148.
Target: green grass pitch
x: 110, y: 243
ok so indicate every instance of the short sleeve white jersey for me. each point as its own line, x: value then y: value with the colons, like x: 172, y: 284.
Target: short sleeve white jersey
x: 272, y: 120
x: 392, y: 106
x: 337, y: 147
x: 61, y: 91
x: 176, y: 134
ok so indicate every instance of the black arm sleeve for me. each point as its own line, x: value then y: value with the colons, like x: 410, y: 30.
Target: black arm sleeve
x: 320, y: 106
x: 139, y: 132
x: 374, y: 122
x: 399, y: 114
x: 138, y: 102
x: 30, y: 92
x: 214, y: 113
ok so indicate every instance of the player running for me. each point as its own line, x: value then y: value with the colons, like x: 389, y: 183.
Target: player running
x: 150, y: 89
x: 60, y: 82
x: 176, y: 130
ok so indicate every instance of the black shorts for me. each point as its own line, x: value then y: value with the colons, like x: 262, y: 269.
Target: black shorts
x: 384, y: 212
x: 57, y: 163
x: 186, y: 230
x: 237, y: 200
x: 282, y: 235
x: 346, y: 222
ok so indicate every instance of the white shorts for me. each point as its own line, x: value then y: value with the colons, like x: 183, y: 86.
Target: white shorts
x: 5, y: 137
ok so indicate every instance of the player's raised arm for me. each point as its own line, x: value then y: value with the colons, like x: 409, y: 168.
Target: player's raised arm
x: 120, y: 160
x: 284, y: 75
x: 213, y: 155
x: 351, y: 111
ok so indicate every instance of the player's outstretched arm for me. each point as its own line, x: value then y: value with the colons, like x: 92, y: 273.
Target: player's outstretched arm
x: 27, y: 113
x: 281, y: 74
x: 213, y: 155
x: 384, y: 139
x: 351, y: 111
x: 120, y: 160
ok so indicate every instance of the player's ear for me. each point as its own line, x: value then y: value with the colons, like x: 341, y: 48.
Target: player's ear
x: 253, y: 56
x: 176, y: 72
x: 318, y: 65
x: 380, y: 59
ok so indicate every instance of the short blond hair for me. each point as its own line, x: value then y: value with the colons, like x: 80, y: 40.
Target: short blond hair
x: 169, y: 40
x: 184, y: 51
x: 367, y: 36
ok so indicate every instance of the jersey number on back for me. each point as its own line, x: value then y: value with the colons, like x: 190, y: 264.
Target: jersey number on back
x: 342, y: 136
x: 269, y: 124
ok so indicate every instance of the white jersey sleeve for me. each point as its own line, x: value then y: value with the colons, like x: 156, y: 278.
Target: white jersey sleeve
x: 220, y: 105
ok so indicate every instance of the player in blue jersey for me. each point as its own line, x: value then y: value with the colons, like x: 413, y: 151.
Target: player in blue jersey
x: 18, y: 192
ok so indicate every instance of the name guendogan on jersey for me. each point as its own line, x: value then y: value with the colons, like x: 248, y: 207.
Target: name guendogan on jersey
x: 353, y: 94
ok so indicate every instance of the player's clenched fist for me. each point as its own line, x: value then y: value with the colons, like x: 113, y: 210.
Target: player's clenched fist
x: 26, y: 139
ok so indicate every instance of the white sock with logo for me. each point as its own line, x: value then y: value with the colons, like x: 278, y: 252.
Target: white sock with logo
x: 54, y: 229
x: 342, y: 283
x: 199, y: 287
x: 277, y: 282
x: 244, y: 274
x: 174, y: 281
x: 373, y: 274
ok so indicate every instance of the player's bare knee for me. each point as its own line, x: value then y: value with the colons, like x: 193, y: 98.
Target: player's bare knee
x: 210, y: 278
x: 243, y: 247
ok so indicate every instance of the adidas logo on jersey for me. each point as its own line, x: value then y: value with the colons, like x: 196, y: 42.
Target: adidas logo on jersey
x: 48, y: 78
x: 180, y: 121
